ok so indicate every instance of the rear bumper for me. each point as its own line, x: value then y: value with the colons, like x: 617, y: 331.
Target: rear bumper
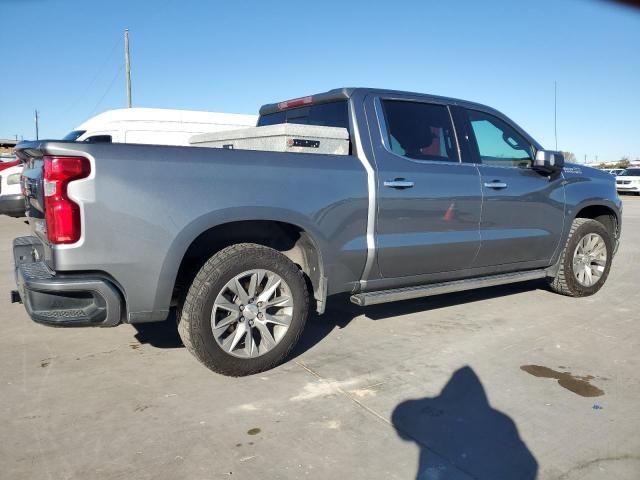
x: 62, y: 300
x: 12, y: 205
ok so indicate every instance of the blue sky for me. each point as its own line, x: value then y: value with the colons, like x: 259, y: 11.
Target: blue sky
x: 65, y: 58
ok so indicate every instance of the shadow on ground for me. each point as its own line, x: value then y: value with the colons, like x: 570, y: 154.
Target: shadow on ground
x: 339, y: 314
x: 460, y: 436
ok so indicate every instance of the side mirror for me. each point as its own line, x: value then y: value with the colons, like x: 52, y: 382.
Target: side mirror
x: 548, y: 160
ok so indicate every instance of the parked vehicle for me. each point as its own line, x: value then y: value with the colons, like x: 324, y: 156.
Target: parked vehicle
x: 629, y: 181
x: 9, y: 162
x: 155, y: 126
x: 436, y: 195
x: 12, y: 202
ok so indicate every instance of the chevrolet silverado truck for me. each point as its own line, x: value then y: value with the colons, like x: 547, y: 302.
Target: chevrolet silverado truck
x: 436, y: 195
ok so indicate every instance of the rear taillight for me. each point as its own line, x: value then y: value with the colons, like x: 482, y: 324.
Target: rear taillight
x: 61, y: 213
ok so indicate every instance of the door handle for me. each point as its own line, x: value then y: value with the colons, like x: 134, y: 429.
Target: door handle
x: 495, y: 184
x: 399, y: 183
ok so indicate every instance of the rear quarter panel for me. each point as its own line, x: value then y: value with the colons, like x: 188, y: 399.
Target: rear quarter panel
x: 146, y: 204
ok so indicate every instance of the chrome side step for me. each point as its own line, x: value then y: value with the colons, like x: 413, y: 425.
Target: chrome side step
x: 407, y: 293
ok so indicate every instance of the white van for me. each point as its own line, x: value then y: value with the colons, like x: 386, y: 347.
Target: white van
x: 156, y: 125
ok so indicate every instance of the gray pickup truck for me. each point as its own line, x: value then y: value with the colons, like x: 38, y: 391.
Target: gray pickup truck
x: 436, y: 195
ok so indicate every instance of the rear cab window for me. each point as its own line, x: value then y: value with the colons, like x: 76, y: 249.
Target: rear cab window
x: 333, y: 114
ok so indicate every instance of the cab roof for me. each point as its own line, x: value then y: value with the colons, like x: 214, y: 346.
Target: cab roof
x: 346, y: 93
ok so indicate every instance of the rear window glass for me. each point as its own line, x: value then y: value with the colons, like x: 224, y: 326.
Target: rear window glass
x: 73, y: 135
x: 334, y: 114
x: 98, y: 139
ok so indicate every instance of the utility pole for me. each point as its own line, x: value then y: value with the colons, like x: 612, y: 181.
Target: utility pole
x: 555, y: 111
x: 37, y: 133
x: 127, y: 66
x: 585, y: 158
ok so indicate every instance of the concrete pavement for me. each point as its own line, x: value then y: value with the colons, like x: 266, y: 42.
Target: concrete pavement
x: 478, y: 384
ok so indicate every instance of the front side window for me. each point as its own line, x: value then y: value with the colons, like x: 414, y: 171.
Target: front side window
x: 421, y: 131
x: 498, y: 143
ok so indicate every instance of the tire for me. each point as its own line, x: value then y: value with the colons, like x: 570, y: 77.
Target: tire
x: 213, y: 292
x: 566, y: 281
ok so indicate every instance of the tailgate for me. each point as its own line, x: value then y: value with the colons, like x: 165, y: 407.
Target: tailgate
x: 33, y: 190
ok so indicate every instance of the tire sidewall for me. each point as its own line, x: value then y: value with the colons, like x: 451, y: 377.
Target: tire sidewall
x: 248, y: 258
x: 591, y: 226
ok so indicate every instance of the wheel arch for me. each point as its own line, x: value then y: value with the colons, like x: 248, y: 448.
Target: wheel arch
x: 605, y: 214
x: 296, y: 239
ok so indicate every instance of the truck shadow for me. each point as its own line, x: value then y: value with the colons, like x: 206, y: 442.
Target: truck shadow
x: 460, y: 436
x: 340, y: 312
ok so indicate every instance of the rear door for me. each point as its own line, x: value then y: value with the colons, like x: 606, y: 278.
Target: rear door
x: 523, y: 209
x: 428, y: 201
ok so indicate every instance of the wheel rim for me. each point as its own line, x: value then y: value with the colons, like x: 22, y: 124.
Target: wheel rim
x: 590, y: 259
x: 252, y: 313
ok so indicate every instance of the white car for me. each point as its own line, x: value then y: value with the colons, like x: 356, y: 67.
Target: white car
x: 11, y: 199
x: 629, y: 181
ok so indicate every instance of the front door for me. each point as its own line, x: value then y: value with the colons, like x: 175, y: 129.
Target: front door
x: 523, y: 209
x: 428, y: 201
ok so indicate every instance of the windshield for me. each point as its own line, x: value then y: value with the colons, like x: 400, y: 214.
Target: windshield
x: 73, y: 135
x: 631, y: 172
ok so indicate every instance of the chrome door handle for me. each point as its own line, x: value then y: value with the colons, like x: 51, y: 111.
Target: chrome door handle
x: 495, y: 184
x: 398, y: 183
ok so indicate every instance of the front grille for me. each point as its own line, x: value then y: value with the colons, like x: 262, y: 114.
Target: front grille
x: 623, y: 182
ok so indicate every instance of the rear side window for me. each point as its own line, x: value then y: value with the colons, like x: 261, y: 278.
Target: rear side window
x: 421, y: 131
x: 73, y: 135
x: 98, y: 139
x: 498, y: 143
x: 334, y: 114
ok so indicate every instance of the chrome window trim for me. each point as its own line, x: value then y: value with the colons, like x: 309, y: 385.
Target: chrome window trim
x: 384, y: 132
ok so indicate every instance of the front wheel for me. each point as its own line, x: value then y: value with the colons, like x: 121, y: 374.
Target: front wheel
x: 585, y: 261
x: 245, y: 310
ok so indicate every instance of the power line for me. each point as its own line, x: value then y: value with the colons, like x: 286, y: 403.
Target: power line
x: 115, y: 77
x: 95, y: 77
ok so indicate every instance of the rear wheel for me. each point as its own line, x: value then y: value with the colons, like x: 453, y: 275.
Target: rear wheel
x: 245, y: 310
x: 586, y: 259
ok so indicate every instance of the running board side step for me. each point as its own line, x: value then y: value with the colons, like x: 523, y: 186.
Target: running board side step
x: 407, y: 293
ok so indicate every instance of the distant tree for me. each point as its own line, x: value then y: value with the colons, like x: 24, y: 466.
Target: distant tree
x: 623, y: 163
x: 569, y: 157
x: 603, y: 165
